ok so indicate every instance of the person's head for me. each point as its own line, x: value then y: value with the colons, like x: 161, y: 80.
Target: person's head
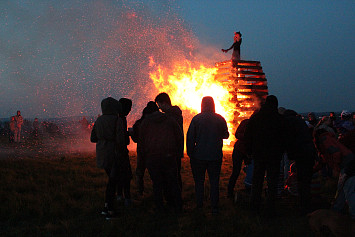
x: 332, y: 115
x: 18, y: 113
x: 163, y: 101
x: 281, y: 110
x: 207, y: 104
x: 12, y: 118
x: 311, y: 116
x: 126, y: 106
x: 345, y: 115
x: 326, y: 121
x: 110, y: 106
x: 237, y: 36
x: 36, y: 119
x: 150, y: 108
x: 290, y: 113
x: 271, y: 102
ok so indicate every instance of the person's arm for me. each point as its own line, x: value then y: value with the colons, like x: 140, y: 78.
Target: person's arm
x: 225, y: 133
x: 191, y: 139
x: 179, y: 138
x: 93, y: 137
x: 239, y: 134
x: 120, y: 135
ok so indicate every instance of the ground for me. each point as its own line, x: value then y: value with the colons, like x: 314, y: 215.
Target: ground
x: 61, y: 193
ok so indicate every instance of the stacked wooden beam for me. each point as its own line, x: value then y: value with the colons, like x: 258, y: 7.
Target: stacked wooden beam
x: 246, y: 83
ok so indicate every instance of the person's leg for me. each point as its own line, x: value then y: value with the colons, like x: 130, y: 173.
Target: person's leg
x: 340, y: 200
x: 178, y: 163
x: 237, y: 158
x: 155, y: 173
x: 19, y: 135
x: 304, y: 178
x: 172, y: 186
x: 110, y: 191
x: 273, y: 174
x: 214, y: 171
x: 140, y: 174
x: 257, y: 184
x: 15, y: 135
x: 198, y: 168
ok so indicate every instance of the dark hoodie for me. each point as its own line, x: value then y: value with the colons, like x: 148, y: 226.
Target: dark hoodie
x: 160, y: 137
x: 176, y: 113
x: 265, y: 134
x: 206, y: 133
x: 108, y: 133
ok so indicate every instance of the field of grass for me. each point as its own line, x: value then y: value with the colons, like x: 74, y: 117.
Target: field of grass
x: 62, y: 196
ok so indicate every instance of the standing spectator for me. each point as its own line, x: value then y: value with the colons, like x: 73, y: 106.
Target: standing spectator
x: 333, y: 117
x: 12, y: 129
x: 141, y: 166
x: 345, y: 124
x: 124, y: 184
x: 312, y: 119
x: 35, y: 127
x: 19, y: 122
x: 265, y: 142
x: 108, y: 134
x: 160, y: 138
x: 204, y: 147
x: 300, y: 148
x: 239, y: 155
x: 164, y: 103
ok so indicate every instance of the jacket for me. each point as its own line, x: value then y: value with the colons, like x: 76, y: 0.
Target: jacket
x: 204, y: 140
x: 176, y: 113
x: 160, y: 136
x: 108, y: 134
x: 265, y: 134
x: 239, y: 134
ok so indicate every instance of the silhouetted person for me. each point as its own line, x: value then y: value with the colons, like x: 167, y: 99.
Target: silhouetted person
x: 265, y: 142
x: 204, y: 144
x: 35, y: 125
x: 19, y: 122
x: 141, y: 166
x: 312, y: 119
x: 124, y: 184
x: 236, y: 48
x: 160, y: 139
x: 164, y: 103
x: 12, y: 129
x: 301, y: 149
x: 108, y: 134
x: 345, y: 124
x: 239, y: 155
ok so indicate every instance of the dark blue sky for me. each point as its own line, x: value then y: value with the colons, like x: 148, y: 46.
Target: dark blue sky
x: 60, y: 58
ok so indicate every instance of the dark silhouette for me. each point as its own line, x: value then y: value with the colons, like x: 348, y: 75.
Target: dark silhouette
x: 164, y: 103
x: 265, y: 138
x: 239, y: 155
x: 18, y: 127
x: 204, y: 147
x: 108, y: 134
x: 124, y: 183
x: 12, y: 129
x: 141, y: 166
x: 160, y: 139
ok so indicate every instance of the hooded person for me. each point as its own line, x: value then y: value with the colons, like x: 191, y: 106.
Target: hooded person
x: 204, y: 144
x: 108, y: 134
x: 124, y: 183
x: 265, y: 137
x: 164, y: 103
x: 141, y: 167
x: 160, y: 139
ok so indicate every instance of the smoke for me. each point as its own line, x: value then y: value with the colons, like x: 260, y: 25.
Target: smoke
x: 61, y: 58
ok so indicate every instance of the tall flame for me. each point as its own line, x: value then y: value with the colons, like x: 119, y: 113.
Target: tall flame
x: 187, y: 85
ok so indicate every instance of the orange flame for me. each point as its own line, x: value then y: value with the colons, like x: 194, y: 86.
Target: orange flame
x: 187, y: 85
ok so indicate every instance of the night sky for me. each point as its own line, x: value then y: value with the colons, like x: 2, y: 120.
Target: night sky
x: 60, y: 58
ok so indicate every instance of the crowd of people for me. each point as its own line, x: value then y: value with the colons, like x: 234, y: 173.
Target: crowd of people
x: 274, y: 141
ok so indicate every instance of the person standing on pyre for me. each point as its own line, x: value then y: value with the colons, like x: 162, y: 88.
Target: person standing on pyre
x: 236, y: 48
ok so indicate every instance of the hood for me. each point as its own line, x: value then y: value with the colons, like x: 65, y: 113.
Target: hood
x: 207, y: 104
x: 110, y: 106
x: 156, y: 117
x: 126, y: 106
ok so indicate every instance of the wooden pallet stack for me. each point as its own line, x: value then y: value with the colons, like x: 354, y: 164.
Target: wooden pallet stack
x: 246, y: 83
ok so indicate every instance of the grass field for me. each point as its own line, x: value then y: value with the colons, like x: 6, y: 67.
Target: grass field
x: 62, y: 196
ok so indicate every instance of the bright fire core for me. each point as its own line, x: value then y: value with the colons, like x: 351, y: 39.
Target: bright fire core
x: 187, y: 85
